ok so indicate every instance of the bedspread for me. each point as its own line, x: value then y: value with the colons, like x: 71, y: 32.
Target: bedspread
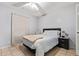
x: 42, y: 45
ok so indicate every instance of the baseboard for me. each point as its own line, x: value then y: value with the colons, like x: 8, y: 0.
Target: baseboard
x: 5, y: 46
x: 77, y: 52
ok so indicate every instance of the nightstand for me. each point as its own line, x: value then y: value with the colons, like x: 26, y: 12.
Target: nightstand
x: 63, y: 42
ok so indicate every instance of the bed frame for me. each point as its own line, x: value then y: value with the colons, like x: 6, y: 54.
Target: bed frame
x: 45, y: 29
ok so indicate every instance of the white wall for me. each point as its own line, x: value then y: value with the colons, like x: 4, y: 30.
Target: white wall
x: 61, y: 15
x: 57, y: 16
x: 32, y: 25
x: 5, y: 24
x: 5, y: 27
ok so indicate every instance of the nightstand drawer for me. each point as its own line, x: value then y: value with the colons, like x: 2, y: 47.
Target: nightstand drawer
x: 63, y: 43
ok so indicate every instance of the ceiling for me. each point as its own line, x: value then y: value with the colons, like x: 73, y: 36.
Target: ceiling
x: 44, y: 5
x: 34, y: 12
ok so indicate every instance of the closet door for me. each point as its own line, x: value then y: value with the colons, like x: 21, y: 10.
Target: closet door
x: 19, y: 28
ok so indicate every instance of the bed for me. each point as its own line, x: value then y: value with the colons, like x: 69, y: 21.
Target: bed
x: 42, y: 43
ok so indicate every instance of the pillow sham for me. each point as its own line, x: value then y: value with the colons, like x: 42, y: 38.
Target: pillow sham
x: 51, y: 33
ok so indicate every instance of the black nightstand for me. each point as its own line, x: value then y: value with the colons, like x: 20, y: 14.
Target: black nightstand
x: 63, y: 42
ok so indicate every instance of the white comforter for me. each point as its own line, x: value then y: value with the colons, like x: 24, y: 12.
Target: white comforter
x: 42, y: 45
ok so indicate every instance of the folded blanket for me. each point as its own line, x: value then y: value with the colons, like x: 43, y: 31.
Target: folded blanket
x: 33, y: 38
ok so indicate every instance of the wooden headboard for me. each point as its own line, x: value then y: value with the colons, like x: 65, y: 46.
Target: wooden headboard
x: 56, y: 29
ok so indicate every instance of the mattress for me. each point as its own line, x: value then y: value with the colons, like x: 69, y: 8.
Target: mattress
x: 29, y: 40
x: 29, y: 44
x: 41, y: 45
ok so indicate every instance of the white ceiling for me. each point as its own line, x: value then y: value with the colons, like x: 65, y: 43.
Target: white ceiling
x: 45, y: 5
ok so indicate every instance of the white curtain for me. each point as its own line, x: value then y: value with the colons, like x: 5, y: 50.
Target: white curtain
x: 19, y: 28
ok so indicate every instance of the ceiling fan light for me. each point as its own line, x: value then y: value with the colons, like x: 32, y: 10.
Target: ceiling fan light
x: 31, y: 5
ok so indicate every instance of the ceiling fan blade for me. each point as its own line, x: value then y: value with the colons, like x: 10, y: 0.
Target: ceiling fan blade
x: 41, y: 9
x: 19, y: 4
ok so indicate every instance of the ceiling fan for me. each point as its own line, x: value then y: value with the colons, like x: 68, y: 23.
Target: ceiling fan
x: 20, y: 4
x: 33, y: 5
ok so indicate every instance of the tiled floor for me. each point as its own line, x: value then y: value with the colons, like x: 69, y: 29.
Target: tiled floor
x: 22, y: 51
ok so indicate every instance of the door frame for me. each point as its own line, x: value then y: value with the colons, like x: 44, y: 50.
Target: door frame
x: 77, y: 13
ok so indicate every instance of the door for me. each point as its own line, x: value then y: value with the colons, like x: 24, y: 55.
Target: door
x: 77, y: 39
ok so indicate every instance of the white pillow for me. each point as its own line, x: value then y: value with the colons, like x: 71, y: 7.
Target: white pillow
x: 51, y: 33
